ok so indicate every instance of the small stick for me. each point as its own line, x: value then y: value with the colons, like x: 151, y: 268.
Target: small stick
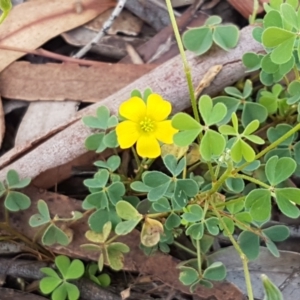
x: 119, y: 7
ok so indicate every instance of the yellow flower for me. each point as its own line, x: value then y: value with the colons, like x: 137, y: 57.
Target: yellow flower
x: 145, y: 125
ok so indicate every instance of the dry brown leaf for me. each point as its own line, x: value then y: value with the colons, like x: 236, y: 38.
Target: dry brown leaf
x: 160, y: 265
x: 26, y: 81
x: 2, y: 123
x: 31, y: 24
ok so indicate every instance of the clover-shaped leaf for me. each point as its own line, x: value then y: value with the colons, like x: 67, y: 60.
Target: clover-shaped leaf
x: 16, y: 201
x: 212, y: 144
x: 215, y: 271
x: 259, y: 203
x: 249, y: 243
x: 99, y: 181
x: 14, y: 182
x: 193, y: 214
x: 277, y: 233
x: 279, y: 169
x: 115, y: 257
x: 212, y: 225
x: 54, y: 235
x: 252, y: 61
x: 286, y: 199
x: 172, y: 221
x: 60, y: 288
x: 175, y: 168
x: 226, y: 36
x: 99, y: 122
x: 282, y: 41
x: 43, y: 217
x: 211, y: 114
x: 188, y: 128
x: 112, y: 164
x: 162, y: 205
x: 188, y: 275
x: 198, y: 40
x: 196, y: 231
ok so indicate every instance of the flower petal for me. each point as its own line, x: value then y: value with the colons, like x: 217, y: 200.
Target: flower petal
x: 165, y: 131
x: 148, y: 146
x: 127, y: 134
x: 158, y: 109
x: 133, y: 109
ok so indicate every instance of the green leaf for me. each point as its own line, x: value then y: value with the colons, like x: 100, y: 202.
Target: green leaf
x: 42, y: 217
x: 170, y: 162
x: 189, y: 129
x: 125, y: 227
x: 251, y: 127
x: 50, y: 272
x: 97, y: 220
x: 126, y: 211
x: 249, y: 243
x: 183, y: 188
x: 188, y: 275
x: 75, y: 270
x: 277, y: 233
x: 103, y: 115
x: 136, y: 93
x: 172, y: 221
x: 95, y: 142
x: 241, y: 149
x: 196, y: 231
x: 268, y: 65
x: 285, y: 199
x: 212, y: 225
x: 259, y: 203
x: 60, y: 292
x: 279, y: 169
x: 49, y: 284
x: 162, y: 205
x: 274, y: 134
x: 271, y: 290
x: 215, y: 271
x: 198, y: 40
x: 54, y: 235
x: 211, y: 114
x: 283, y: 52
x: 194, y: 214
x: 273, y: 19
x: 229, y: 224
x: 110, y: 139
x: 63, y: 263
x: 272, y: 248
x: 72, y: 290
x: 212, y: 144
x: 112, y: 121
x: 252, y: 61
x: 253, y: 111
x: 99, y: 181
x: 16, y: 201
x: 293, y: 90
x: 274, y: 36
x: 226, y: 36
x: 115, y: 192
x: 231, y: 104
x: 236, y: 185
x: 14, y: 182
x: 289, y: 15
x: 213, y: 20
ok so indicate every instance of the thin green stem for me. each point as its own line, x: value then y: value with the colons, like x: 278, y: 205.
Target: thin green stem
x: 199, y: 261
x: 186, y: 249
x: 221, y: 180
x: 254, y: 12
x: 136, y: 157
x: 240, y: 252
x: 184, y: 60
x: 252, y: 179
x: 270, y: 147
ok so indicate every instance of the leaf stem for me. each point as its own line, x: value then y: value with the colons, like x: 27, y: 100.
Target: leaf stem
x: 186, y: 249
x: 252, y: 179
x: 199, y: 261
x: 269, y: 148
x: 240, y: 252
x: 184, y: 60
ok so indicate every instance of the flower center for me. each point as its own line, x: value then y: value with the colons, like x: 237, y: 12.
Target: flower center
x: 147, y: 125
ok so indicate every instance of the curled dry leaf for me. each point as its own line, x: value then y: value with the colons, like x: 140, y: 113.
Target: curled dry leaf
x: 151, y: 231
x: 31, y: 24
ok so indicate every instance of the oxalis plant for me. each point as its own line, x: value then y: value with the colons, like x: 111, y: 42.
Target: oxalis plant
x: 218, y: 172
